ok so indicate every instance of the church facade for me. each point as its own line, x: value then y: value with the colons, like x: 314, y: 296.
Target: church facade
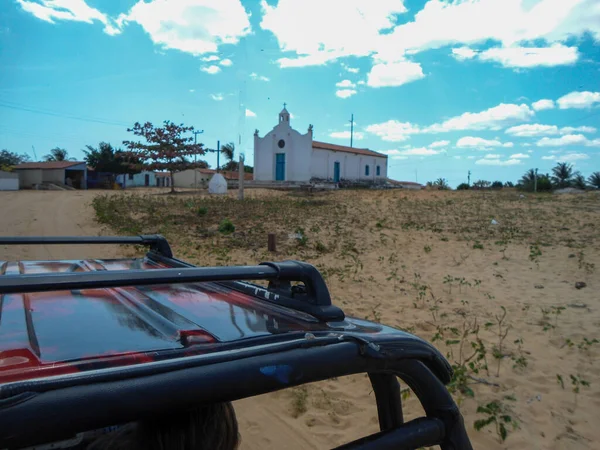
x: 285, y: 154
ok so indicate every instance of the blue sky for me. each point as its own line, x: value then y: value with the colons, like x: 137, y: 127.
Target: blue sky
x: 491, y: 86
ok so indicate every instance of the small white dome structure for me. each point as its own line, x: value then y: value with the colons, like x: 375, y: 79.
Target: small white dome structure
x: 217, y: 184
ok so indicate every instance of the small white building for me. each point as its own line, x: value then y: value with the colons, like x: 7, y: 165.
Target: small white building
x: 144, y: 178
x: 284, y: 154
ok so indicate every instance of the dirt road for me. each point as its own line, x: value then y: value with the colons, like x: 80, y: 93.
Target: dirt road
x: 50, y: 213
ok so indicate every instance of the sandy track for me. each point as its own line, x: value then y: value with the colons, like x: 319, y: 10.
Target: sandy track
x: 50, y: 213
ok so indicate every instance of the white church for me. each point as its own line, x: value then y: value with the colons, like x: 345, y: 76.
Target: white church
x: 284, y: 154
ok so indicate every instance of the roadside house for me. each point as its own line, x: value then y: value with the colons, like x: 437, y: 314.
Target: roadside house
x: 60, y: 173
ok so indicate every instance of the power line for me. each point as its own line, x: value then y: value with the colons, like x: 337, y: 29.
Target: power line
x: 20, y: 107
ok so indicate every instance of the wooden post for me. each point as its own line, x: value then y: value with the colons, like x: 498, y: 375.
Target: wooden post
x: 241, y: 178
x: 272, y: 244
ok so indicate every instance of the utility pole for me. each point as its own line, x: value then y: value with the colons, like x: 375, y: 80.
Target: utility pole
x: 469, y: 178
x: 34, y: 155
x: 416, y: 176
x: 351, y: 129
x: 196, y: 133
x: 535, y: 181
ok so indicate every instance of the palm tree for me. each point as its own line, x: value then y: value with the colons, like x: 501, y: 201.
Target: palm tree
x: 578, y: 181
x: 58, y: 154
x: 594, y: 180
x: 528, y: 178
x: 562, y: 175
x: 228, y: 151
x: 441, y: 184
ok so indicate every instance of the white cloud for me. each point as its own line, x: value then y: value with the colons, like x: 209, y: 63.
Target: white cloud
x: 216, y: 97
x: 536, y: 129
x: 509, y: 22
x: 508, y: 144
x: 211, y: 69
x: 345, y: 93
x: 471, y: 157
x: 346, y: 135
x: 567, y: 139
x: 519, y: 156
x: 493, y: 119
x: 477, y: 142
x: 439, y: 144
x: 399, y: 157
x: 258, y: 77
x: 345, y: 84
x: 226, y: 62
x: 492, y: 156
x: 210, y: 58
x: 498, y: 162
x: 361, y: 82
x: 71, y: 10
x: 526, y: 57
x: 550, y: 157
x: 457, y: 157
x: 192, y: 90
x: 462, y: 53
x: 356, y: 32
x: 582, y: 129
x: 393, y: 131
x: 250, y: 113
x: 543, y: 104
x: 191, y: 26
x: 394, y: 74
x: 579, y: 100
x: 350, y: 69
x: 571, y: 157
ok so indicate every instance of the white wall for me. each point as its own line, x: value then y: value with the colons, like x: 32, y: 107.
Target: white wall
x: 29, y: 177
x: 185, y: 178
x: 139, y: 179
x: 53, y: 176
x: 9, y: 181
x: 352, y: 165
x: 302, y: 162
x: 297, y: 152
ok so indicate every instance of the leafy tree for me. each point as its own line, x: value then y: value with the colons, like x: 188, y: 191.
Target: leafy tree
x: 9, y: 159
x: 562, y: 175
x: 594, y: 180
x: 441, y: 184
x: 509, y: 184
x: 58, y: 154
x: 579, y: 181
x: 497, y: 185
x: 106, y: 159
x: 482, y: 184
x: 166, y: 148
x: 463, y: 187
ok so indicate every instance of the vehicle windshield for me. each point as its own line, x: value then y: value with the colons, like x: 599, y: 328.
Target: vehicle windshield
x: 438, y: 162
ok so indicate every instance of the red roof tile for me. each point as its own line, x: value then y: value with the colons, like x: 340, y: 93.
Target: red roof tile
x: 48, y: 165
x: 343, y: 148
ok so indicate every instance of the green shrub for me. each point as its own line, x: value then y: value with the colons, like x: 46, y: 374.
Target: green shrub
x: 226, y: 227
x: 497, y: 185
x: 463, y: 187
x: 202, y: 211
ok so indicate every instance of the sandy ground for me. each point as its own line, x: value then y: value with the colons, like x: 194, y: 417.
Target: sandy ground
x: 548, y: 321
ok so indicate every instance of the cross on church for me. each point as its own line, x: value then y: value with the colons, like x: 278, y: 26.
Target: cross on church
x: 284, y: 104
